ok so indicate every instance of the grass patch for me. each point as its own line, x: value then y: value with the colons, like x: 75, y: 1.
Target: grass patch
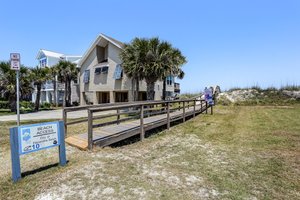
x: 240, y: 152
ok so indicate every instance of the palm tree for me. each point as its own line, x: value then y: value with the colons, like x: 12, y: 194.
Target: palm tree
x: 39, y: 76
x: 174, y: 68
x: 67, y: 72
x: 133, y: 57
x: 161, y: 60
x: 8, y: 83
x: 152, y: 60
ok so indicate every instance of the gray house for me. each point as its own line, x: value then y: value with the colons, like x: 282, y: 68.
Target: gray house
x: 102, y: 79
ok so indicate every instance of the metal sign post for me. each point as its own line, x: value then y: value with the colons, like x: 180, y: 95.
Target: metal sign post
x: 15, y: 65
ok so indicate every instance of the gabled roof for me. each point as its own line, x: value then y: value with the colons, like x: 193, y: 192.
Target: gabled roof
x: 49, y: 54
x: 97, y: 41
x: 112, y: 40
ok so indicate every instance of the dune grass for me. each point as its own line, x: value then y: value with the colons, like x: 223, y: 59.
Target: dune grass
x: 240, y: 152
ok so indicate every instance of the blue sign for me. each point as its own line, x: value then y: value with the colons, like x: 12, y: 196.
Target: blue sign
x: 208, y: 96
x: 38, y: 136
x: 35, y: 137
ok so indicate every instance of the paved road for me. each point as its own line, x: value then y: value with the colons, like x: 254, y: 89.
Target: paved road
x: 49, y: 114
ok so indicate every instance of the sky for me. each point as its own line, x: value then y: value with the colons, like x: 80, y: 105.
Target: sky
x: 232, y: 43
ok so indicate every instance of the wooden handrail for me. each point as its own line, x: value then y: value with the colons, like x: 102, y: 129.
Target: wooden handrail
x: 123, y: 105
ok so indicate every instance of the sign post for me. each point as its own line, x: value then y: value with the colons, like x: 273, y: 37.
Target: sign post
x: 15, y: 65
x: 30, y: 138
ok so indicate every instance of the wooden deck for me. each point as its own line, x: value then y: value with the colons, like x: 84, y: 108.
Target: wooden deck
x: 110, y: 134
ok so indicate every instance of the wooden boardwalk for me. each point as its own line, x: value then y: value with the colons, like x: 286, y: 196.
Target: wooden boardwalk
x: 109, y: 134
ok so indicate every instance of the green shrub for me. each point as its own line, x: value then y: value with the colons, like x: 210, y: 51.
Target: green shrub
x: 4, y: 105
x: 27, y: 105
x: 45, y: 105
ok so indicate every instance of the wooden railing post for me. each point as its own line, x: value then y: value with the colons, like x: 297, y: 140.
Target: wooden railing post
x: 206, y: 107
x: 194, y: 113
x: 90, y: 130
x: 201, y: 106
x: 65, y: 121
x: 118, y: 116
x: 142, y: 136
x: 168, y: 115
x: 183, y: 114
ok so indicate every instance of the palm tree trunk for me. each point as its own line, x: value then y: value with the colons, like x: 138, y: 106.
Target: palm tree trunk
x: 55, y: 91
x: 164, y: 89
x: 133, y: 89
x: 38, y: 97
x: 65, y: 94
x: 150, y: 90
x: 69, y: 93
x: 137, y: 89
x: 13, y: 103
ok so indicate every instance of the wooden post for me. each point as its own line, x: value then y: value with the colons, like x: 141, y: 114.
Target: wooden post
x: 183, y: 116
x: 90, y: 129
x: 211, y: 109
x: 65, y: 121
x: 206, y: 107
x: 201, y: 106
x: 168, y: 115
x: 118, y: 116
x: 142, y: 134
x: 179, y: 105
x: 194, y: 114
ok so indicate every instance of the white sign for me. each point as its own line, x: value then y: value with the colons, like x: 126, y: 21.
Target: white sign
x: 37, y: 137
x: 15, y: 61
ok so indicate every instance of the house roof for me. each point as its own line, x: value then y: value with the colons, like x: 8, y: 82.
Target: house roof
x: 48, y: 54
x: 101, y: 37
x: 112, y: 40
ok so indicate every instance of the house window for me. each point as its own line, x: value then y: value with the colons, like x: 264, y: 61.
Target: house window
x: 86, y: 76
x: 98, y: 70
x: 104, y: 70
x: 43, y: 62
x: 118, y: 74
x: 170, y: 80
x: 101, y: 70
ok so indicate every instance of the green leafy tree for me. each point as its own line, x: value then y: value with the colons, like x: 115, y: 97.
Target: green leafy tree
x: 67, y: 72
x: 8, y: 83
x: 39, y: 76
x: 151, y: 60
